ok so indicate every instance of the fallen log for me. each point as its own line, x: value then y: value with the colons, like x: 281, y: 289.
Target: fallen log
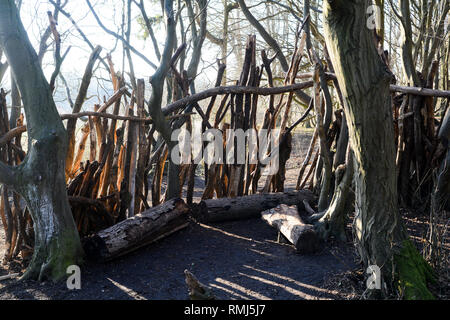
x: 138, y: 231
x: 287, y: 220
x: 246, y: 207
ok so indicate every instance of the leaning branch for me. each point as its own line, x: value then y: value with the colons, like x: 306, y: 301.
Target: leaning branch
x: 234, y: 90
x: 11, y: 134
x: 417, y: 91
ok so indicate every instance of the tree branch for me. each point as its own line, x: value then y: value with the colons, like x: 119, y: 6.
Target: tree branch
x: 266, y: 36
x: 7, y: 175
x: 117, y: 36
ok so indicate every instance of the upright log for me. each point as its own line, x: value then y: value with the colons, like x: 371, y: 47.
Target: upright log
x: 287, y: 220
x: 197, y: 290
x: 246, y: 207
x: 137, y: 231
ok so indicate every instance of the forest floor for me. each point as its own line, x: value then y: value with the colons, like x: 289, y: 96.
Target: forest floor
x: 238, y: 260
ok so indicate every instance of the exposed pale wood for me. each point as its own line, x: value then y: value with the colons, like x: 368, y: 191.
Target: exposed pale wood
x: 287, y: 220
x: 9, y: 276
x: 143, y: 148
x: 80, y: 152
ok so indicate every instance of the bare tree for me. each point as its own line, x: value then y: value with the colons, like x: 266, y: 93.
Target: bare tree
x: 380, y: 235
x: 40, y: 179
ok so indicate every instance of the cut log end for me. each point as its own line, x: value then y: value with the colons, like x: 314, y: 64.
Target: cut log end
x: 308, y: 242
x: 289, y: 223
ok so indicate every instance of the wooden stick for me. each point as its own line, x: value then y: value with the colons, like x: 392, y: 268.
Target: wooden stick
x: 11, y: 134
x: 9, y: 276
x: 234, y: 90
x: 421, y: 91
x: 116, y: 96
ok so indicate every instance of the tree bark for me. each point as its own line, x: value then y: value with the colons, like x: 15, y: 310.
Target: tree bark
x: 364, y: 80
x: 332, y: 221
x: 137, y: 231
x: 82, y: 92
x: 442, y: 191
x: 157, y: 114
x: 246, y: 207
x: 40, y: 179
x: 287, y: 220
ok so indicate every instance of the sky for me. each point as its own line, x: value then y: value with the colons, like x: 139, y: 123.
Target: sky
x: 35, y: 21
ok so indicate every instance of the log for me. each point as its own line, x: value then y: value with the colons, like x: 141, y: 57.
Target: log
x: 246, y: 207
x: 287, y: 220
x: 197, y: 290
x: 137, y: 231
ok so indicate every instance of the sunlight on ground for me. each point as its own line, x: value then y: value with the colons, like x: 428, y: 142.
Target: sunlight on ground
x: 266, y: 254
x: 228, y: 233
x: 281, y: 286
x: 284, y: 278
x: 130, y: 292
x: 243, y: 290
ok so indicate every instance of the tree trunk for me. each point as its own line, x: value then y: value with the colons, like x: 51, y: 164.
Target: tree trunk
x: 442, y: 191
x: 246, y: 207
x: 40, y: 179
x: 333, y: 220
x: 364, y: 80
x: 157, y: 81
x: 138, y: 231
x: 287, y: 220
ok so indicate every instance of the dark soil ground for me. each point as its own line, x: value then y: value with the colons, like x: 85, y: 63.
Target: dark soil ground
x: 238, y: 260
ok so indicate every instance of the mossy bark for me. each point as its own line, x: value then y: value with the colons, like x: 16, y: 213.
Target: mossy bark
x: 364, y: 80
x: 413, y: 273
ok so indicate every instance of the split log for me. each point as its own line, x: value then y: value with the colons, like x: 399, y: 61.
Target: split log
x: 137, y: 231
x: 287, y: 220
x: 246, y: 207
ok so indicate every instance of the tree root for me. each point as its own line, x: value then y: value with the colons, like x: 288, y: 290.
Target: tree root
x: 51, y: 262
